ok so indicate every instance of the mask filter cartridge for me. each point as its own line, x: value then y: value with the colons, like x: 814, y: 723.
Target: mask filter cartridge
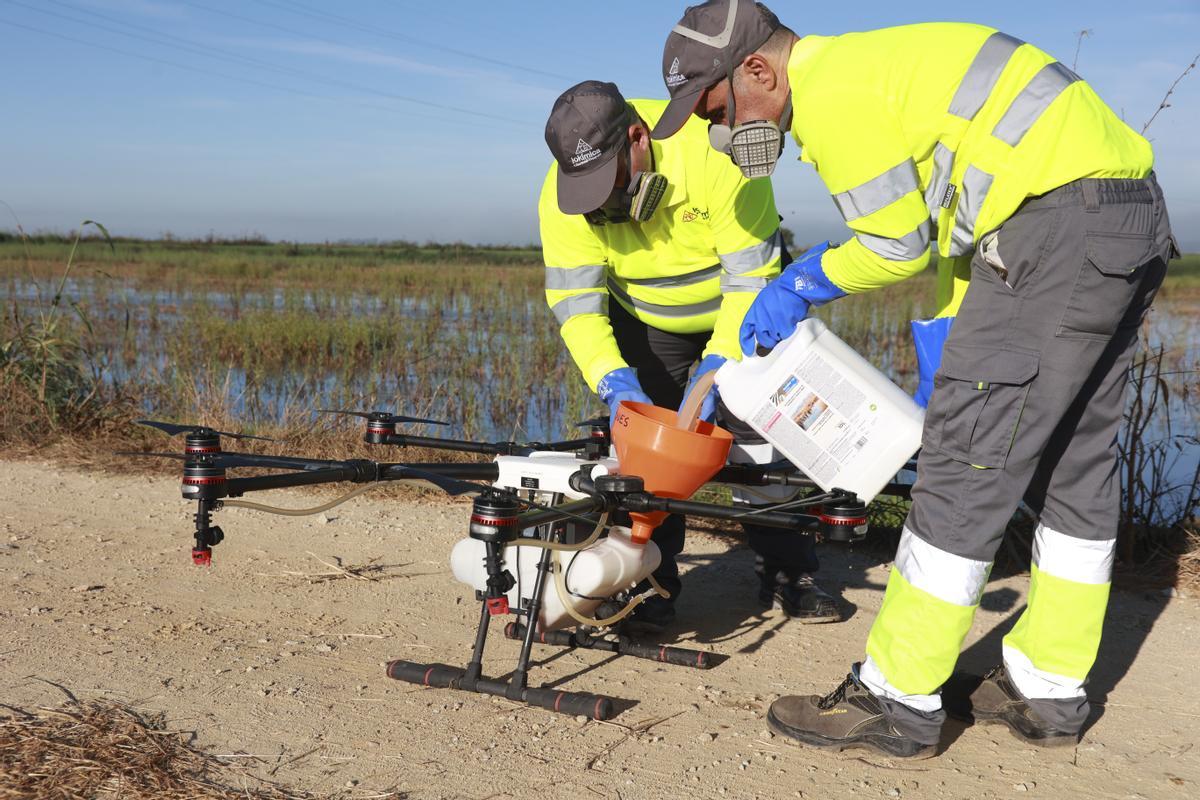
x: 646, y: 191
x: 755, y: 147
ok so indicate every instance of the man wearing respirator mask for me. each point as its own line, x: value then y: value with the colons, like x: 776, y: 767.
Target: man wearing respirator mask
x: 653, y: 252
x: 1055, y: 237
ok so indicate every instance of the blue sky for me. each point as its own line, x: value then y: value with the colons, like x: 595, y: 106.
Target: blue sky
x: 387, y: 119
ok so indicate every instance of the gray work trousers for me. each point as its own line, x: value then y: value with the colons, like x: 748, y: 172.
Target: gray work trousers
x: 1026, y: 405
x: 1032, y: 379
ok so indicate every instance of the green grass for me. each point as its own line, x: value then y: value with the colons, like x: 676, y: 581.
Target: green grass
x: 254, y: 335
x: 1184, y: 271
x: 265, y: 330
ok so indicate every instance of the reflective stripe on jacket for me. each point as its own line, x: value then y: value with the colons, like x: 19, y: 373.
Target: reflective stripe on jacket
x: 694, y: 267
x: 940, y: 131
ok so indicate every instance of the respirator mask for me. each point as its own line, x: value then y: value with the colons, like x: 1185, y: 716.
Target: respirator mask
x: 754, y: 146
x: 636, y: 201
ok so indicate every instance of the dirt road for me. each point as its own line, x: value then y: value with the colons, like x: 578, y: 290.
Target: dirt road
x: 267, y: 654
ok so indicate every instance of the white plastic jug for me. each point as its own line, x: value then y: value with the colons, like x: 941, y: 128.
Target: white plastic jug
x: 592, y: 574
x: 827, y: 409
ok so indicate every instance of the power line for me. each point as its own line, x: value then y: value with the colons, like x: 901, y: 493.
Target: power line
x: 227, y: 56
x: 203, y: 71
x: 346, y: 22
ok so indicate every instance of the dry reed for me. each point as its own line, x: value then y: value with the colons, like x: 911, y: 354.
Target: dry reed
x: 100, y: 749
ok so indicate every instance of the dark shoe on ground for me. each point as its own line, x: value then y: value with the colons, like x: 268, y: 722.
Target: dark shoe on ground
x: 801, y: 599
x: 998, y: 702
x: 849, y: 717
x: 650, y: 618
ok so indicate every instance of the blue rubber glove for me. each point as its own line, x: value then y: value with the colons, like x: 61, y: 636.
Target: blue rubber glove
x: 708, y: 408
x: 929, y: 336
x: 786, y: 300
x: 620, y: 384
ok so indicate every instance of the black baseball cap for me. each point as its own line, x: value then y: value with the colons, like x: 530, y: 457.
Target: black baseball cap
x: 709, y: 40
x: 586, y: 131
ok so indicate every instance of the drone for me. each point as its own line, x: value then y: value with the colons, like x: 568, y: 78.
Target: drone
x: 534, y: 534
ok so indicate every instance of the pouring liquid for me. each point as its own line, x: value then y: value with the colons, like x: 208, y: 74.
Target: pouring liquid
x: 689, y: 413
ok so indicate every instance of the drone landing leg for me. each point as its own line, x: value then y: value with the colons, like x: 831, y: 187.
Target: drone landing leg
x: 472, y: 680
x: 520, y: 675
x: 622, y: 645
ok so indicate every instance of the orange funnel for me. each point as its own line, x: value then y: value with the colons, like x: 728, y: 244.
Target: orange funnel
x: 671, y: 461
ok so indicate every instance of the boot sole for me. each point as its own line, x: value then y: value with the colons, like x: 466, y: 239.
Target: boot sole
x: 874, y: 744
x: 992, y: 718
x: 775, y: 605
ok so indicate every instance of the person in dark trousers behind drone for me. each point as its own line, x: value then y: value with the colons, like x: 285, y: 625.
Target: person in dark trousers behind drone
x: 653, y: 252
x: 1048, y: 202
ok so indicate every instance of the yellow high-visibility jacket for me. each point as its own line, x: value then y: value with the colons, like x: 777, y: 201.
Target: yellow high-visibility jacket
x: 694, y: 267
x: 941, y: 130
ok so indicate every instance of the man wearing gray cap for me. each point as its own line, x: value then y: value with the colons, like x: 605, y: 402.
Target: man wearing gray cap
x: 654, y: 251
x: 1053, y: 236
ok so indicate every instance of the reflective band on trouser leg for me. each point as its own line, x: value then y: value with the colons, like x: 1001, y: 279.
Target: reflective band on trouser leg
x: 760, y: 453
x: 927, y: 610
x: 1053, y: 645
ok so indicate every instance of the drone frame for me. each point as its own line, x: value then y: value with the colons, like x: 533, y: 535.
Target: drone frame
x: 499, y: 517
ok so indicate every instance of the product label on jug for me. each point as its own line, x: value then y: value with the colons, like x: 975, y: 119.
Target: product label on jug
x: 820, y: 419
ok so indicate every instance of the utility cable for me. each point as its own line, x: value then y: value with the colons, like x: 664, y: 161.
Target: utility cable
x: 301, y: 512
x: 564, y: 596
x: 228, y: 56
x: 346, y: 22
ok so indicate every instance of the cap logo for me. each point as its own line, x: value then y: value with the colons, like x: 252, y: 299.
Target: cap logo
x: 673, y: 76
x: 584, y: 153
x: 721, y: 40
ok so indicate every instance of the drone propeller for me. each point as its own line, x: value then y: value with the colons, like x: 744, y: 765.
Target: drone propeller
x: 143, y: 454
x: 381, y: 416
x: 594, y: 422
x: 172, y: 429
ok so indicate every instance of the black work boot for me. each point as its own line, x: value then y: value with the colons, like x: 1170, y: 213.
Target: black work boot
x: 998, y: 702
x: 652, y: 616
x: 848, y: 717
x: 800, y: 598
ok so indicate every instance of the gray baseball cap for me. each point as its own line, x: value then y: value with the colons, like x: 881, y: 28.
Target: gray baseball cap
x: 709, y: 40
x: 586, y: 131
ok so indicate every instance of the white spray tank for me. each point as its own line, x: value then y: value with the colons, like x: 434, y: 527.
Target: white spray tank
x: 827, y: 409
x: 592, y: 575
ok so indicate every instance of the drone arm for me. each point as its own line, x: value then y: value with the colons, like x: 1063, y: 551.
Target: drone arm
x: 458, y: 445
x: 277, y: 462
x: 563, y: 511
x: 642, y: 501
x: 355, y: 471
x: 472, y: 471
x: 483, y: 448
x: 564, y: 446
x: 752, y: 475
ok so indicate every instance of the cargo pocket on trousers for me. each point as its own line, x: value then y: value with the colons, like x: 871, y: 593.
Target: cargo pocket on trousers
x: 978, y: 397
x: 1108, y: 281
